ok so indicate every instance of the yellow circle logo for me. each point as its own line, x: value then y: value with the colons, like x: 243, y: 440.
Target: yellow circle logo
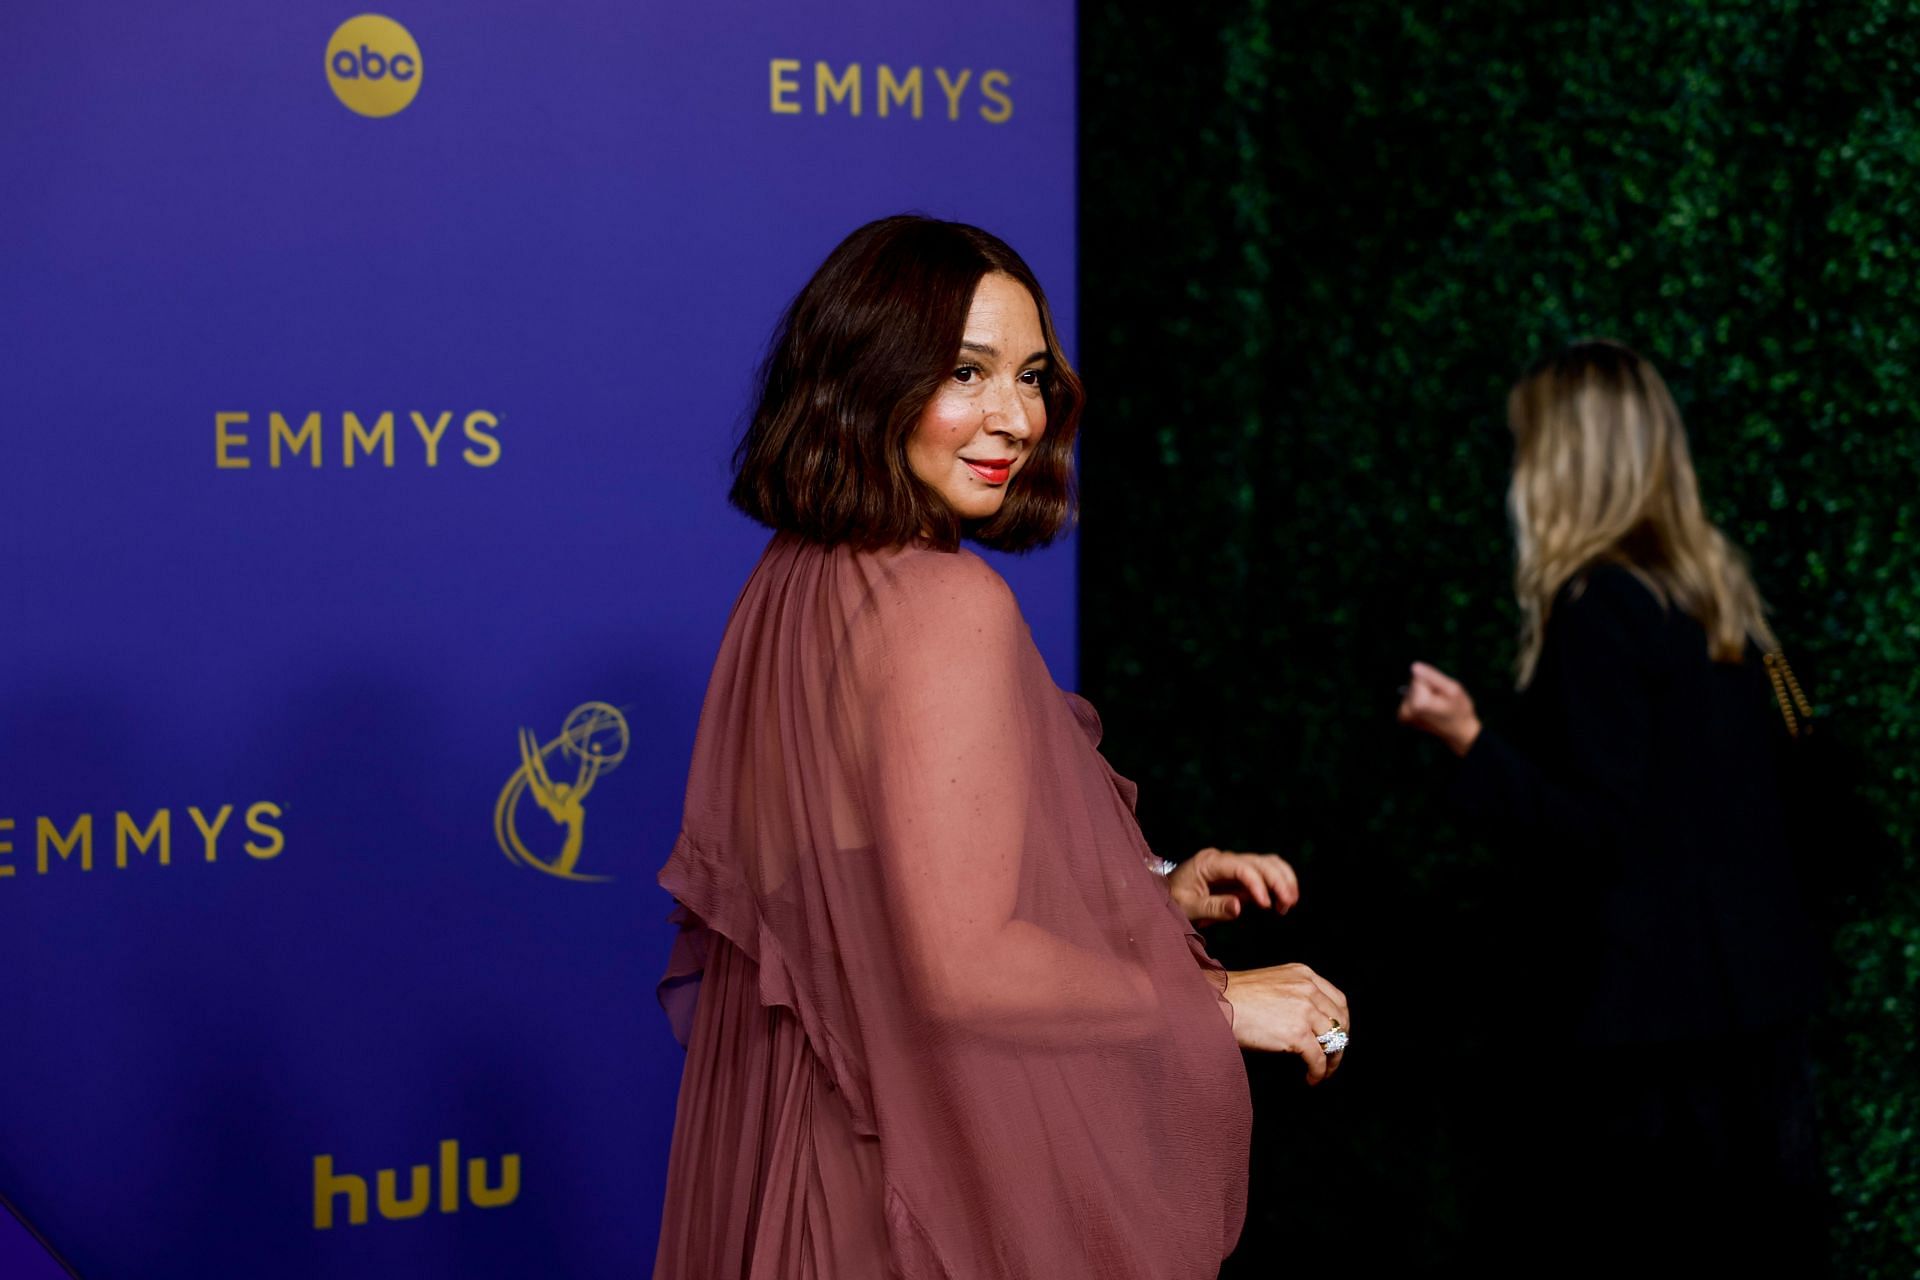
x: 373, y: 65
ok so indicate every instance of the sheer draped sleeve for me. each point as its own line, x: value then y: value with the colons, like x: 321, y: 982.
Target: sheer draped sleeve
x: 951, y: 752
x: 896, y: 814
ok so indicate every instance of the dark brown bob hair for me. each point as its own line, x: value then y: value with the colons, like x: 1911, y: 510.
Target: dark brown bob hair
x: 853, y: 364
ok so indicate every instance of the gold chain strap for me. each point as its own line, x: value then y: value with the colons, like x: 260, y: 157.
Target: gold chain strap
x: 1786, y: 690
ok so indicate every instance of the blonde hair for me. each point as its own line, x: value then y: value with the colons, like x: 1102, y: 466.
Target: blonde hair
x: 1601, y: 473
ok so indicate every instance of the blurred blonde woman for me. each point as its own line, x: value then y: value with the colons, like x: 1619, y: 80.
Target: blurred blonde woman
x: 1635, y: 793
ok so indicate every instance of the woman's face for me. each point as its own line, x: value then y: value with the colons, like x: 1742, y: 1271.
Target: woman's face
x: 987, y: 418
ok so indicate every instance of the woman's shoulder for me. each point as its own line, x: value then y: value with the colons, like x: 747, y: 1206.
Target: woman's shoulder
x: 936, y: 586
x: 1613, y: 589
x: 1610, y: 604
x: 930, y: 620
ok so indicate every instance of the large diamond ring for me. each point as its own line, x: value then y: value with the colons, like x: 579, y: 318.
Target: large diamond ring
x: 1335, y: 1040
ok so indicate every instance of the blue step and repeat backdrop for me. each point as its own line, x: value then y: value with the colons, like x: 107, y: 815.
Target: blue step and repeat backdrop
x: 368, y: 387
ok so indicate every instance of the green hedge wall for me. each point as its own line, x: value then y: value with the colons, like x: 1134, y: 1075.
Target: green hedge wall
x: 1318, y: 244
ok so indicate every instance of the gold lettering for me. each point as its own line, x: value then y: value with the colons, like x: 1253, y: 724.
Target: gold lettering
x: 260, y: 827
x: 449, y: 1176
x: 382, y: 433
x: 1002, y: 113
x: 212, y: 833
x: 327, y: 1185
x: 298, y: 442
x: 953, y: 89
x: 844, y: 89
x: 490, y: 453
x: 6, y: 847
x: 785, y: 78
x: 125, y: 833
x: 900, y: 91
x: 81, y: 835
x: 418, y: 1196
x: 431, y: 434
x: 487, y: 1197
x: 224, y: 439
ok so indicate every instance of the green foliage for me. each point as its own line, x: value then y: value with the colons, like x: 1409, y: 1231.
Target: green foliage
x: 1318, y: 245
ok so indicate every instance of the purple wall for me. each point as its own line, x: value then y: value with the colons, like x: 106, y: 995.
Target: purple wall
x: 574, y: 241
x: 21, y: 1256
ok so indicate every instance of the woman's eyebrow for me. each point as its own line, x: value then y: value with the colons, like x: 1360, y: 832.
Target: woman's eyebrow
x: 988, y: 349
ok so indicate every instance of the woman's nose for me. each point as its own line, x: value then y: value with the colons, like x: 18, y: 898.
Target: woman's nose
x: 1004, y: 413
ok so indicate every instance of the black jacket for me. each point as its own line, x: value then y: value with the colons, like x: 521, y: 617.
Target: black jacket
x: 1638, y: 801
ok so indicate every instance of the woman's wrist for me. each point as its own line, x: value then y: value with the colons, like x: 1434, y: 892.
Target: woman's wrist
x: 1462, y: 741
x: 1232, y: 1009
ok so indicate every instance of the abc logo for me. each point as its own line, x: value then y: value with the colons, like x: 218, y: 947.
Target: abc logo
x: 373, y: 65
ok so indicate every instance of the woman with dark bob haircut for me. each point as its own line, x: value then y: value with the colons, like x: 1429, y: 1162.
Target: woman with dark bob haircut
x: 945, y: 1013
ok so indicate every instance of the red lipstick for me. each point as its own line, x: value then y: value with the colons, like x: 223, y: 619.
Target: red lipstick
x: 993, y: 470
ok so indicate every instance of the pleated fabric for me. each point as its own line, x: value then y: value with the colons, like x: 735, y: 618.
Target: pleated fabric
x: 941, y: 1020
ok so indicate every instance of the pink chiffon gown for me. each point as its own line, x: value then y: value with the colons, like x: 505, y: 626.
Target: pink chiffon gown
x: 941, y: 1020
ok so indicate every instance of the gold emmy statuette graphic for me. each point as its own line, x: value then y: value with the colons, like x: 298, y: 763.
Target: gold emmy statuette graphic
x: 595, y: 736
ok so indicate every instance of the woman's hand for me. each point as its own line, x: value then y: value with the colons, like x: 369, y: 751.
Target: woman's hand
x: 1434, y: 702
x: 1286, y: 1009
x: 1212, y: 884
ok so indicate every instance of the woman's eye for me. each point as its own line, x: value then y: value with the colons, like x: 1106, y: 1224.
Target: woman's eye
x: 1034, y: 377
x: 966, y: 373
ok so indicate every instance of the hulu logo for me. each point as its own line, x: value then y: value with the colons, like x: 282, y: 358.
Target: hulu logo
x: 329, y: 1187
